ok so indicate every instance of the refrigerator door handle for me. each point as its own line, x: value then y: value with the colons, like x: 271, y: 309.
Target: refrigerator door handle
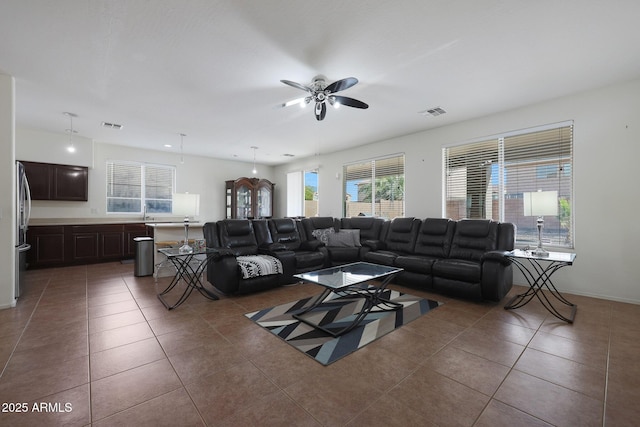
x: 27, y: 215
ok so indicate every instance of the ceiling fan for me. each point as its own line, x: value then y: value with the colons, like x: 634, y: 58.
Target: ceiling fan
x: 321, y: 94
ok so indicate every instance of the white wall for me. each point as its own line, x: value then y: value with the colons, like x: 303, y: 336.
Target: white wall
x: 7, y: 189
x: 607, y: 198
x: 201, y: 175
x: 46, y: 147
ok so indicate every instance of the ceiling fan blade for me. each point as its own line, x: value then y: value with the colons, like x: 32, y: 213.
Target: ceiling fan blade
x: 343, y: 84
x: 297, y: 85
x: 350, y: 102
x: 294, y: 102
x: 321, y: 110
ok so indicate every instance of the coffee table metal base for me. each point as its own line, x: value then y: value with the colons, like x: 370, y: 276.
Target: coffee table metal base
x: 371, y: 294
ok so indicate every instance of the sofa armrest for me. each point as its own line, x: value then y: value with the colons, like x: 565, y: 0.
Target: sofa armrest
x: 221, y: 252
x: 498, y: 256
x: 268, y: 248
x: 374, y: 245
x: 311, y: 245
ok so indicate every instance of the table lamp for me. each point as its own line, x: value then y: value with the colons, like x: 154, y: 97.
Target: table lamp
x: 187, y: 205
x: 540, y: 203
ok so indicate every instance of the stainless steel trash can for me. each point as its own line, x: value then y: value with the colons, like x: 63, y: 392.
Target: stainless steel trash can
x: 143, y: 265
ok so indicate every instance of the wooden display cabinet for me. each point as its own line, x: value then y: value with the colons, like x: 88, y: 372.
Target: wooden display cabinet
x: 249, y: 198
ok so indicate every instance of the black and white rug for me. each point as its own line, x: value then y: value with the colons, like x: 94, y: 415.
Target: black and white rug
x: 334, y: 312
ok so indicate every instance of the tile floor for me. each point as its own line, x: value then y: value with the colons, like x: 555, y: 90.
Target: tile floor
x: 92, y: 345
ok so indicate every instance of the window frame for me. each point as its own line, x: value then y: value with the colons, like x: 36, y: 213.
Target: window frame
x: 531, y: 155
x: 143, y: 187
x: 367, y: 169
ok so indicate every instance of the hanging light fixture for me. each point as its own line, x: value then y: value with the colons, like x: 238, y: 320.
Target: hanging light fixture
x: 70, y: 148
x: 255, y: 171
x: 182, y: 135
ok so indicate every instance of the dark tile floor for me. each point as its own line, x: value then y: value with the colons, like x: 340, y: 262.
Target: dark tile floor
x: 93, y: 345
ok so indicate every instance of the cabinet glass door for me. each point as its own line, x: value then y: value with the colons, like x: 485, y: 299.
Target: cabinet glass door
x: 264, y: 202
x: 243, y: 202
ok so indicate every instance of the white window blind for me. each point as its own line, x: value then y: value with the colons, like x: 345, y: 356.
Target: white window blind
x: 375, y: 187
x: 487, y: 179
x: 131, y: 186
x: 294, y: 193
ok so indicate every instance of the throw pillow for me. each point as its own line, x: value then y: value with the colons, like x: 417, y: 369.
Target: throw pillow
x: 322, y: 234
x: 342, y: 239
x: 355, y: 233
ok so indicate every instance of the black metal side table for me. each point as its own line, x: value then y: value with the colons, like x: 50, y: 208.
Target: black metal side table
x: 188, y: 269
x: 538, y: 270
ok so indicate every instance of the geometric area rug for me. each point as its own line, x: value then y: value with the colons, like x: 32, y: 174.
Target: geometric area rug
x: 334, y: 312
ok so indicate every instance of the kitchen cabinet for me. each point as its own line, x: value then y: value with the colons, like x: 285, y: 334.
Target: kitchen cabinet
x: 57, y: 182
x: 47, y: 246
x: 54, y: 246
x: 249, y: 198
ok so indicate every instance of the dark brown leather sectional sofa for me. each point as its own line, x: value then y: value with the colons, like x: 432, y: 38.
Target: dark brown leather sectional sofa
x: 459, y: 258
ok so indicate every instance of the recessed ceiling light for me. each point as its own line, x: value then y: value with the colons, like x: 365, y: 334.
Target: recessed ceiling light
x: 168, y: 145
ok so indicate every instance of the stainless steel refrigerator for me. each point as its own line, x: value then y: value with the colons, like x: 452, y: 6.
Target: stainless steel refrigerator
x: 23, y: 210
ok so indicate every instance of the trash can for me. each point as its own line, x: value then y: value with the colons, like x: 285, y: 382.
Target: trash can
x: 143, y: 265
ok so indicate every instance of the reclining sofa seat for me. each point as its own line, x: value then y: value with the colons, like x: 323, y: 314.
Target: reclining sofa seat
x: 287, y: 234
x: 475, y: 267
x: 233, y: 238
x: 398, y: 240
x: 433, y: 243
x: 342, y: 248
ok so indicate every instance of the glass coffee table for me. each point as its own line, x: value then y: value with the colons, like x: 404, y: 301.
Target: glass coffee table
x: 349, y: 280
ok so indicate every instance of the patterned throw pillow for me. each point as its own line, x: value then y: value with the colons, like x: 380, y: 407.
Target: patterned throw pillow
x: 345, y: 239
x: 322, y: 234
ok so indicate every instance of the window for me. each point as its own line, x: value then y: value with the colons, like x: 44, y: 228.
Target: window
x: 302, y: 193
x: 132, y: 186
x: 487, y: 179
x: 374, y: 188
x: 311, y: 195
x: 295, y: 192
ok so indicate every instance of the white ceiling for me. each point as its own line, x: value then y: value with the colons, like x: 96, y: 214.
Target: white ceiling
x: 211, y: 69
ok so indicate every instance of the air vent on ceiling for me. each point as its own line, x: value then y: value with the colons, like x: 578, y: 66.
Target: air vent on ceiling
x: 111, y: 126
x: 432, y: 112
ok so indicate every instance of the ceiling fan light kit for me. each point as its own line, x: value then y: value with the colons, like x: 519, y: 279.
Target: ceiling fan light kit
x: 320, y: 93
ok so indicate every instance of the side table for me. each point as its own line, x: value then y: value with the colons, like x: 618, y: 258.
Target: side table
x: 188, y: 269
x: 538, y: 270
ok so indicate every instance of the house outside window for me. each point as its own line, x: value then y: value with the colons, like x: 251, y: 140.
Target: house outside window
x: 487, y: 179
x: 374, y: 187
x: 132, y: 187
x: 311, y: 194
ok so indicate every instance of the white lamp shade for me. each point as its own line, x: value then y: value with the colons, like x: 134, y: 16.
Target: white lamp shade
x: 185, y: 204
x: 540, y: 203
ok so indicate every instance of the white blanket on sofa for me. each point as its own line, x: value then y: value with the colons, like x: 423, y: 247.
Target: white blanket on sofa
x: 258, y: 265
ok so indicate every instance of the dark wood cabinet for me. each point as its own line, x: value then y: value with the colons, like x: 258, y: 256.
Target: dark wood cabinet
x: 53, y: 246
x: 57, y: 182
x: 47, y: 246
x: 82, y: 246
x: 249, y: 198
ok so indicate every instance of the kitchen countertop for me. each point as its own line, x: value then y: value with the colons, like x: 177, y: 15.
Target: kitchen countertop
x: 170, y: 222
x: 173, y: 224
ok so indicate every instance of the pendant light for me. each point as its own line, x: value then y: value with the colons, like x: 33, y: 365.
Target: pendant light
x: 182, y: 135
x: 70, y: 148
x: 255, y: 171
